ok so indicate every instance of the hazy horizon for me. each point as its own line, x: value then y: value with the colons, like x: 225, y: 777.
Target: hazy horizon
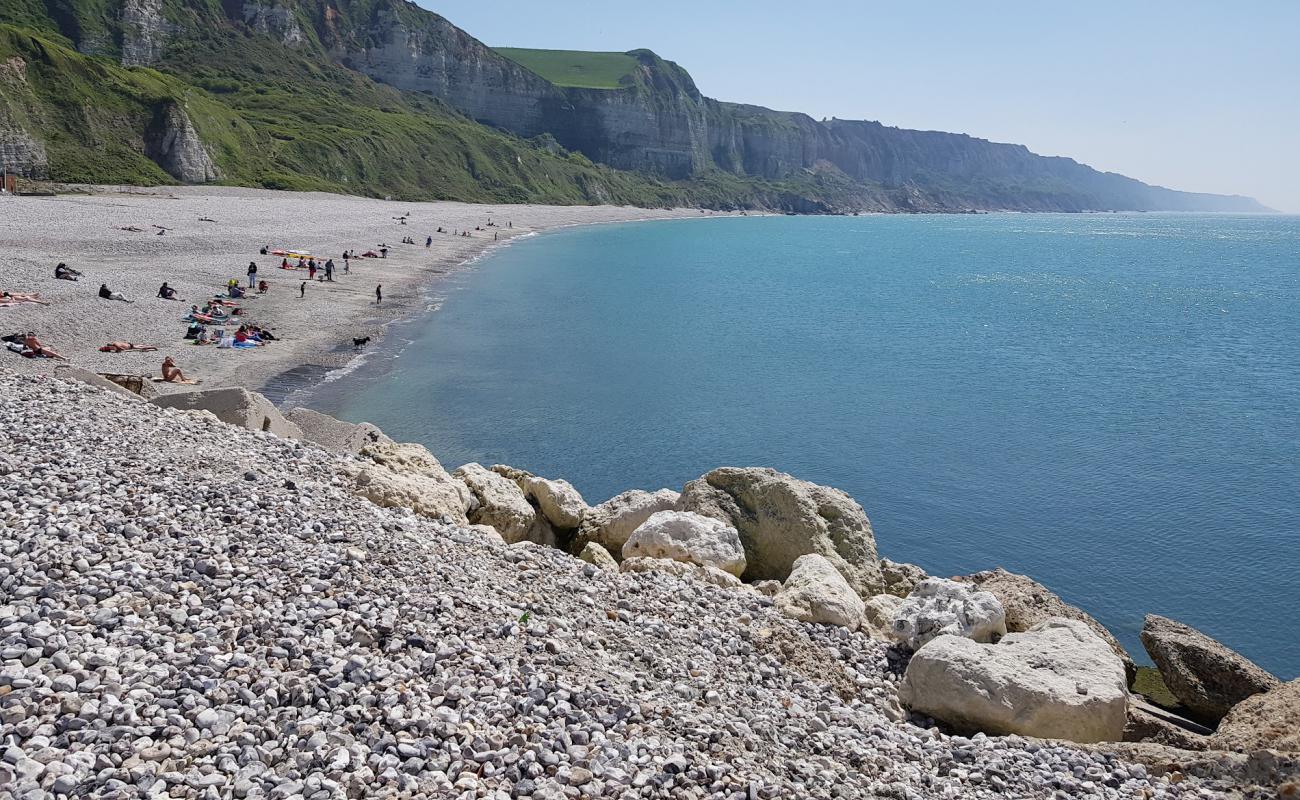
x: 1147, y: 91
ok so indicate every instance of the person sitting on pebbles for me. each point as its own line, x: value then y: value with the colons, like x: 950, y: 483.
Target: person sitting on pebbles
x: 109, y: 294
x: 33, y: 346
x: 65, y: 273
x: 172, y: 373
x: 166, y: 292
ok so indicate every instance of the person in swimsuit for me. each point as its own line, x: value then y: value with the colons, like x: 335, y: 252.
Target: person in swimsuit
x: 122, y: 347
x: 172, y: 373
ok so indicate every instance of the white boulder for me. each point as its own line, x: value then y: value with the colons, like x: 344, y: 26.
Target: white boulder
x: 938, y: 607
x: 878, y: 614
x: 612, y: 522
x: 558, y: 500
x: 684, y: 536
x: 817, y: 592
x: 1058, y: 680
x: 407, y: 475
x: 781, y: 518
x: 498, y: 502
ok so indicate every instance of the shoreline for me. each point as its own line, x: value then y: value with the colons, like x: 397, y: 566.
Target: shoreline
x: 211, y: 233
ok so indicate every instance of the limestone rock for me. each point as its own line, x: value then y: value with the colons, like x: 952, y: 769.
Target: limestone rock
x: 681, y: 569
x: 499, y: 503
x: 598, y: 556
x: 781, y: 518
x: 145, y: 31
x: 488, y: 531
x: 1058, y: 680
x: 612, y: 522
x: 333, y: 434
x: 1206, y: 677
x: 233, y: 406
x: 1269, y: 720
x: 689, y: 537
x: 900, y: 577
x: 816, y: 592
x: 1027, y: 602
x: 767, y: 588
x: 558, y: 500
x: 407, y: 475
x: 938, y: 607
x: 174, y: 144
x: 878, y: 614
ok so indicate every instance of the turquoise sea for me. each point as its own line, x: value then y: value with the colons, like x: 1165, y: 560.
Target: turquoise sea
x: 1108, y: 403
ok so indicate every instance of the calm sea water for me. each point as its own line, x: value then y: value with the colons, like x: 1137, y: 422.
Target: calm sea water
x: 1108, y: 403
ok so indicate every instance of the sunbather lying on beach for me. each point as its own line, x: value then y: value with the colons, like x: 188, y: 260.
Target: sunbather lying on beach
x: 109, y: 294
x: 18, y: 298
x: 122, y: 347
x: 172, y: 373
x: 38, y: 350
x: 65, y: 273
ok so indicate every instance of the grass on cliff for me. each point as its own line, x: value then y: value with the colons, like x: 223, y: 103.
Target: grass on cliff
x: 575, y: 68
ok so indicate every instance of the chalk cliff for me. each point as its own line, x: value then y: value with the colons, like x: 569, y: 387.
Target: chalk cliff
x: 655, y: 122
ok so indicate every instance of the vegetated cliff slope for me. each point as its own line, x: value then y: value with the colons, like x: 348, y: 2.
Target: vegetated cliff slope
x: 382, y: 97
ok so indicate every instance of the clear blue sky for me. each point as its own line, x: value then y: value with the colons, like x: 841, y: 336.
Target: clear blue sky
x: 1193, y: 94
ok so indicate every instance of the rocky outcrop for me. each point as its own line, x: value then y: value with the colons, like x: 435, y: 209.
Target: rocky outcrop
x: 498, y: 502
x: 816, y: 592
x: 174, y: 144
x: 21, y: 154
x: 688, y: 537
x: 781, y: 518
x: 1026, y: 602
x: 333, y: 434
x: 1206, y: 676
x: 275, y: 20
x: 1269, y: 720
x: 1058, y: 680
x: 407, y: 475
x: 144, y: 32
x: 938, y: 607
x: 612, y: 522
x: 233, y: 406
x: 680, y: 569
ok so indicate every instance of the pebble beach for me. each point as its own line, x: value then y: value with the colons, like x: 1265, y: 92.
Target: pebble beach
x: 209, y: 613
x: 211, y: 234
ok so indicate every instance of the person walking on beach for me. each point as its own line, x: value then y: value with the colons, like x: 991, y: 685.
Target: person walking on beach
x: 379, y: 294
x: 329, y: 270
x: 302, y: 290
x: 428, y: 242
x: 252, y: 274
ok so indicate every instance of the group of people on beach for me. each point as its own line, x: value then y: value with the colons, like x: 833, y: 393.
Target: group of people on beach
x: 209, y: 322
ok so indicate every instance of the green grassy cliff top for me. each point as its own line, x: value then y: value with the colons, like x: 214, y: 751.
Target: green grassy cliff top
x: 575, y: 68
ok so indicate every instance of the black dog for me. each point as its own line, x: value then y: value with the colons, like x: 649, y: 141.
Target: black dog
x: 360, y: 343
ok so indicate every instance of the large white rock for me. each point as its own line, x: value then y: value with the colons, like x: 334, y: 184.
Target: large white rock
x: 234, y: 406
x: 408, y: 476
x: 938, y: 607
x: 1058, y: 680
x: 610, y: 523
x: 781, y: 518
x: 817, y: 592
x: 683, y: 536
x: 558, y: 500
x: 878, y: 614
x: 498, y: 502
